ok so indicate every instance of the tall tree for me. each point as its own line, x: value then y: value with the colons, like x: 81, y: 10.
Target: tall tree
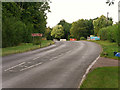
x: 57, y: 32
x: 89, y: 27
x: 66, y: 28
x: 101, y: 22
x: 48, y: 33
x: 81, y: 28
x: 29, y: 17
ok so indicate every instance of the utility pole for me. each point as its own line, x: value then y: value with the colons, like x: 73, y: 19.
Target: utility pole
x: 107, y: 15
x: 119, y: 11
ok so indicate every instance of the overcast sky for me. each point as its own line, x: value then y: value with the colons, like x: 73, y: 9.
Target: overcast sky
x: 73, y: 10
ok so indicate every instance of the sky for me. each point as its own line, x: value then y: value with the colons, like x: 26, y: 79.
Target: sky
x: 73, y: 10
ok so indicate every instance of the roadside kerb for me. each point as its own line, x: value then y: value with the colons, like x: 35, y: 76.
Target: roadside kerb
x: 87, y: 71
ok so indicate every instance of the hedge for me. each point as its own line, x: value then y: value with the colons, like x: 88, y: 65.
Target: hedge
x: 111, y: 33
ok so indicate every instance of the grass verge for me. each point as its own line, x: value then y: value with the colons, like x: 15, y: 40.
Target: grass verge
x: 25, y: 47
x: 108, y: 49
x: 102, y: 77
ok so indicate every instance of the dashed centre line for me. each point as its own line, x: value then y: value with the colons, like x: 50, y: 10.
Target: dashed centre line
x: 59, y: 55
x: 31, y: 66
x: 36, y: 58
x: 15, y: 66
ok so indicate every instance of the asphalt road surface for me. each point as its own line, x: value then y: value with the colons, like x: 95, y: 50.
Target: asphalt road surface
x: 61, y: 65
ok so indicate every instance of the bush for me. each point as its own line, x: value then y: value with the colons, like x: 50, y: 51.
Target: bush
x: 103, y: 34
x: 110, y: 33
x: 15, y: 32
x: 37, y: 40
x: 27, y: 38
x: 118, y: 34
x: 82, y: 38
x: 12, y: 32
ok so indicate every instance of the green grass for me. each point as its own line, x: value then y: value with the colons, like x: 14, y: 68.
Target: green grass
x: 103, y: 77
x: 24, y: 47
x: 108, y: 48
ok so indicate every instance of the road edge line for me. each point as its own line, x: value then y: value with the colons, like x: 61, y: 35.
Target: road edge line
x: 87, y: 71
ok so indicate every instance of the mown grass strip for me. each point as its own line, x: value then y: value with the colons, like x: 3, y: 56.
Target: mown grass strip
x: 108, y: 49
x: 25, y: 47
x: 102, y: 77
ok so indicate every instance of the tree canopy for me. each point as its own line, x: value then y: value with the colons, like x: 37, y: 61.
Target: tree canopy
x: 101, y: 22
x: 57, y: 32
x: 22, y: 19
x: 66, y: 28
x: 81, y: 28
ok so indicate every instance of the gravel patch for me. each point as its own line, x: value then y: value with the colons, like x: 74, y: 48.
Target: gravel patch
x: 105, y: 62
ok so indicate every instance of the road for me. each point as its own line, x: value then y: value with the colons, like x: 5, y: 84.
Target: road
x: 61, y: 65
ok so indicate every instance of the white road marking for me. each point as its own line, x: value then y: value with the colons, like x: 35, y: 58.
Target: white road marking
x: 59, y: 55
x: 31, y: 66
x: 53, y: 58
x: 36, y: 58
x: 15, y: 66
x: 87, y: 71
x: 68, y: 52
x: 29, y: 62
x: 23, y: 66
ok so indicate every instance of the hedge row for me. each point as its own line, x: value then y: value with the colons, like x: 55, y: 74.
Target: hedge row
x: 111, y: 33
x: 20, y: 19
x: 15, y: 32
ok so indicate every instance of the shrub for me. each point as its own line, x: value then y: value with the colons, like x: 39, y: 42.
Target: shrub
x: 103, y: 34
x: 82, y: 38
x: 110, y: 33
x: 12, y: 32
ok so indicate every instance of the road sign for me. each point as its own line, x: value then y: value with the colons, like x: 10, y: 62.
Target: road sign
x: 36, y: 34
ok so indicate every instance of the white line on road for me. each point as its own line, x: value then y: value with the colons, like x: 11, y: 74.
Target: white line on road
x: 31, y: 66
x: 36, y: 58
x: 29, y: 62
x: 68, y: 51
x: 15, y: 66
x: 59, y: 55
x: 53, y: 58
x: 87, y: 71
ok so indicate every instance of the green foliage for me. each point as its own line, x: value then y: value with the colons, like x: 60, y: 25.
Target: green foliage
x: 108, y: 49
x: 20, y: 19
x: 37, y: 40
x: 66, y: 28
x: 48, y: 33
x: 81, y: 28
x: 27, y: 33
x: 118, y: 35
x: 101, y: 22
x: 111, y: 33
x: 90, y: 27
x: 57, y: 32
x: 103, y: 34
x: 13, y: 32
x: 82, y: 38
